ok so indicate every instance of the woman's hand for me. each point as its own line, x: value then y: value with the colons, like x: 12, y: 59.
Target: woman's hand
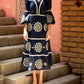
x: 48, y: 34
x: 25, y: 33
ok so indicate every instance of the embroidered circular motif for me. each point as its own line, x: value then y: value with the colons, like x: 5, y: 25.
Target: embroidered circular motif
x: 49, y: 18
x: 47, y: 46
x: 45, y: 64
x: 37, y: 26
x: 45, y: 27
x: 38, y: 63
x: 28, y: 46
x: 29, y: 27
x: 38, y: 47
x: 26, y: 62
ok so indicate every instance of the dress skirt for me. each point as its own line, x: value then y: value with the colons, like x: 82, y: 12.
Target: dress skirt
x: 36, y: 53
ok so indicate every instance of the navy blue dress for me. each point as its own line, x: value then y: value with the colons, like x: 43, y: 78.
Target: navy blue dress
x: 36, y: 53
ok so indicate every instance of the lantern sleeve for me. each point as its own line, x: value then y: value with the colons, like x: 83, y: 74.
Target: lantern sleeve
x: 25, y: 16
x: 49, y: 15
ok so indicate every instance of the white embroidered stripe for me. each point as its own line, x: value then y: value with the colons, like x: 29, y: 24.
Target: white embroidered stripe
x: 37, y: 38
x: 37, y: 14
x: 36, y: 7
x: 37, y: 54
x: 40, y: 6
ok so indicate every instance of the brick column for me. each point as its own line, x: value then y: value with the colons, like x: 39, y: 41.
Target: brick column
x: 72, y: 49
x: 20, y: 9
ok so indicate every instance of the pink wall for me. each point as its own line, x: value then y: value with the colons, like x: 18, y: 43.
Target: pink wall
x: 56, y: 29
x: 8, y: 6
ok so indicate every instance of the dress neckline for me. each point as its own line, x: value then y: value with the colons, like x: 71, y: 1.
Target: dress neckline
x: 38, y: 1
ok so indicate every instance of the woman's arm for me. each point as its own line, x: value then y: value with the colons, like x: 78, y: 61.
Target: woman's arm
x: 25, y: 34
x: 48, y: 34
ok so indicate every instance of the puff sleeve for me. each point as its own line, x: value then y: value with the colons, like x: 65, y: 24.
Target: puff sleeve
x: 48, y: 12
x: 27, y: 11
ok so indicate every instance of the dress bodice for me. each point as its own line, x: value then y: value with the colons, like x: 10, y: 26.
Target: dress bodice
x: 43, y: 7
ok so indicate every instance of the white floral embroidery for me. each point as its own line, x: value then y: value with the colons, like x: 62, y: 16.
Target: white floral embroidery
x: 26, y: 61
x: 45, y: 27
x: 45, y: 64
x: 49, y: 18
x: 47, y: 46
x: 38, y: 47
x: 29, y: 27
x: 37, y: 26
x: 38, y: 63
x: 28, y: 46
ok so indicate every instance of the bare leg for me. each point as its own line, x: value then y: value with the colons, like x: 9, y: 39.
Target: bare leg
x: 40, y: 76
x: 34, y: 77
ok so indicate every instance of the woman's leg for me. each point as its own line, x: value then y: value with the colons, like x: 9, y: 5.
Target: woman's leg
x: 40, y: 76
x: 34, y: 77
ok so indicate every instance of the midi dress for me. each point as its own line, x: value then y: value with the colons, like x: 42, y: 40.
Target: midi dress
x: 37, y: 53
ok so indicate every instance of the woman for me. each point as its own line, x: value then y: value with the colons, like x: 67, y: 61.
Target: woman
x: 37, y: 21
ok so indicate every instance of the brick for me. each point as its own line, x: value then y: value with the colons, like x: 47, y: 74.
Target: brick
x: 65, y: 39
x: 65, y: 28
x: 75, y: 65
x: 81, y: 8
x: 77, y: 19
x: 81, y: 34
x: 65, y: 59
x: 65, y: 49
x: 82, y: 24
x: 81, y: 56
x: 64, y: 8
x: 69, y: 44
x: 81, y: 45
x: 70, y: 34
x: 69, y: 24
x: 68, y: 3
x: 77, y: 60
x: 76, y: 39
x: 69, y: 54
x: 82, y: 66
x: 65, y: 18
x: 69, y: 13
x: 81, y: 13
x: 77, y: 29
x: 76, y: 50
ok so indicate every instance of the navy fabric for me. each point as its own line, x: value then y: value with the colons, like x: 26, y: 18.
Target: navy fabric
x: 37, y: 53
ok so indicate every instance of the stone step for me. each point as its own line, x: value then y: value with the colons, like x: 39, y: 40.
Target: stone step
x: 1, y: 79
x: 5, y: 66
x: 7, y: 21
x: 25, y: 77
x: 9, y: 52
x: 9, y: 40
x: 11, y: 29
x: 15, y: 63
x: 2, y: 13
x: 67, y: 79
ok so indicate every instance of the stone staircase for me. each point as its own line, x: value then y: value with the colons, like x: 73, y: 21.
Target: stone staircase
x: 11, y: 46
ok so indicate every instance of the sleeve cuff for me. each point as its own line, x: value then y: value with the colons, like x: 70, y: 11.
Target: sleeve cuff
x: 25, y: 17
x: 50, y: 17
